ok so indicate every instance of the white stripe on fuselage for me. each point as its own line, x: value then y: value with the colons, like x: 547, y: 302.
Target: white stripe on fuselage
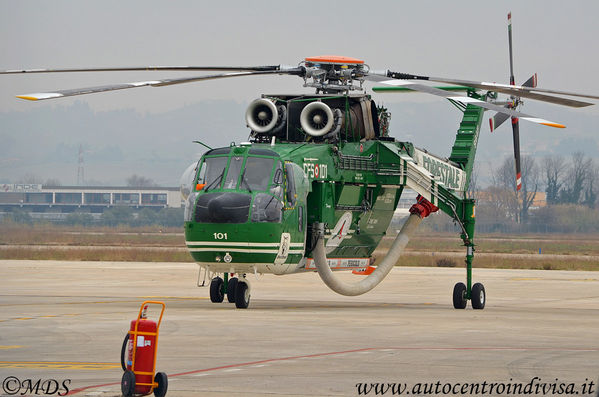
x: 238, y: 244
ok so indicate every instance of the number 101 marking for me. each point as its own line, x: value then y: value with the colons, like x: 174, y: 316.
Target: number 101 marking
x: 220, y: 236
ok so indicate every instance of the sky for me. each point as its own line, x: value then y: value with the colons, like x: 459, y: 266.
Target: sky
x: 464, y: 40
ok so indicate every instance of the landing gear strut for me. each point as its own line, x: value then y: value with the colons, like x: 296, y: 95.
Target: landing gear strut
x: 464, y: 292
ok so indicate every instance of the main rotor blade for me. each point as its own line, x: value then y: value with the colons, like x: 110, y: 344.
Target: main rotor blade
x: 525, y: 92
x: 516, y: 134
x: 151, y: 68
x: 515, y: 90
x: 153, y: 83
x: 463, y: 99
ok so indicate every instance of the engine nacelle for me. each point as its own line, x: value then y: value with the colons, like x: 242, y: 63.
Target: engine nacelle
x: 262, y: 115
x: 317, y: 119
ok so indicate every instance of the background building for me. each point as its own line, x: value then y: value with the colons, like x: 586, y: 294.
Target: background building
x: 56, y: 202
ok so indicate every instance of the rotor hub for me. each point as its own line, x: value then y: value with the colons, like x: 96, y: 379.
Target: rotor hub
x: 333, y: 74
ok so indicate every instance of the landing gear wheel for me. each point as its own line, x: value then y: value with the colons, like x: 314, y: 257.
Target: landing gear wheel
x: 231, y: 289
x: 242, y: 295
x: 479, y: 296
x: 459, y: 296
x: 162, y: 380
x: 216, y: 290
x: 128, y: 383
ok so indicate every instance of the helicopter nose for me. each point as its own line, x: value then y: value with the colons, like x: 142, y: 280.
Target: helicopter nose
x: 226, y: 207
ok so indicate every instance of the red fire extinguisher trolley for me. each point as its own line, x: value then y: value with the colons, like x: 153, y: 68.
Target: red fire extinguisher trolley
x: 140, y: 346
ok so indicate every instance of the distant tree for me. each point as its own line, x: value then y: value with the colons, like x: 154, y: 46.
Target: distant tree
x: 519, y: 202
x: 139, y: 181
x: 590, y: 193
x: 578, y: 175
x: 30, y: 178
x: 473, y: 184
x: 147, y: 217
x: 554, y: 168
x: 79, y: 218
x: 171, y: 217
x: 19, y: 216
x: 115, y: 216
x: 52, y: 182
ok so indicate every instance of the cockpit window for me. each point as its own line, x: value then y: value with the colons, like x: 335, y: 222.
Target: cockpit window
x: 233, y: 173
x: 212, y: 172
x: 266, y: 208
x: 256, y: 174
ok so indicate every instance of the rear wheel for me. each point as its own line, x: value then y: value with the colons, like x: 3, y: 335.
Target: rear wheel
x: 231, y: 289
x: 459, y: 296
x: 242, y: 295
x: 128, y: 383
x: 479, y: 296
x: 216, y: 290
x: 162, y: 380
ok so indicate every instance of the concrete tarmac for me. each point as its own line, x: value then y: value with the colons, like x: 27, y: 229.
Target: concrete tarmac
x: 65, y: 321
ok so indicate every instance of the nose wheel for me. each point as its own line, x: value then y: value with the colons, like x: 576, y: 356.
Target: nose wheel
x: 236, y: 289
x: 217, y: 290
x: 242, y: 295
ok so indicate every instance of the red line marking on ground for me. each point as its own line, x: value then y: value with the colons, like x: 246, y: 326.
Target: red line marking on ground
x: 270, y: 360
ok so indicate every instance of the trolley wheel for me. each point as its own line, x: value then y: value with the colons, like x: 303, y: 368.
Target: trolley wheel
x: 128, y: 383
x: 124, y: 351
x: 162, y: 380
x: 216, y: 290
x: 231, y: 289
x: 479, y: 296
x: 242, y: 295
x: 459, y: 296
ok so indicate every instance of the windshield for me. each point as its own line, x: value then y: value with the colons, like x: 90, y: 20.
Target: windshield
x: 256, y: 174
x: 212, y: 171
x: 233, y: 173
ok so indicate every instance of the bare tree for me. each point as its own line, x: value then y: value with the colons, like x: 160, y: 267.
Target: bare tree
x: 519, y: 202
x: 30, y: 179
x: 554, y: 168
x: 577, y: 176
x: 52, y: 182
x: 139, y: 181
x: 590, y: 192
x: 473, y: 184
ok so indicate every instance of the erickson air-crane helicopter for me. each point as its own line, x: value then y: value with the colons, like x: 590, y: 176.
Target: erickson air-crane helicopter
x: 317, y: 184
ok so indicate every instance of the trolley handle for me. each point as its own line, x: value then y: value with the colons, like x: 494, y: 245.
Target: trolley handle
x: 155, y: 303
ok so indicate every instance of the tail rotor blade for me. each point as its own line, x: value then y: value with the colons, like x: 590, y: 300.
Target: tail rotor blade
x: 516, y: 131
x: 497, y: 120
x: 531, y: 82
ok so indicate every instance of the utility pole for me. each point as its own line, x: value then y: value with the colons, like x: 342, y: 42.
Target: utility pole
x: 80, y: 178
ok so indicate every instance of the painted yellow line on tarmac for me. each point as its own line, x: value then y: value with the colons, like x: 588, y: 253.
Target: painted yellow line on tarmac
x: 552, y: 279
x: 582, y: 279
x: 59, y: 365
x: 3, y: 347
x: 175, y: 297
